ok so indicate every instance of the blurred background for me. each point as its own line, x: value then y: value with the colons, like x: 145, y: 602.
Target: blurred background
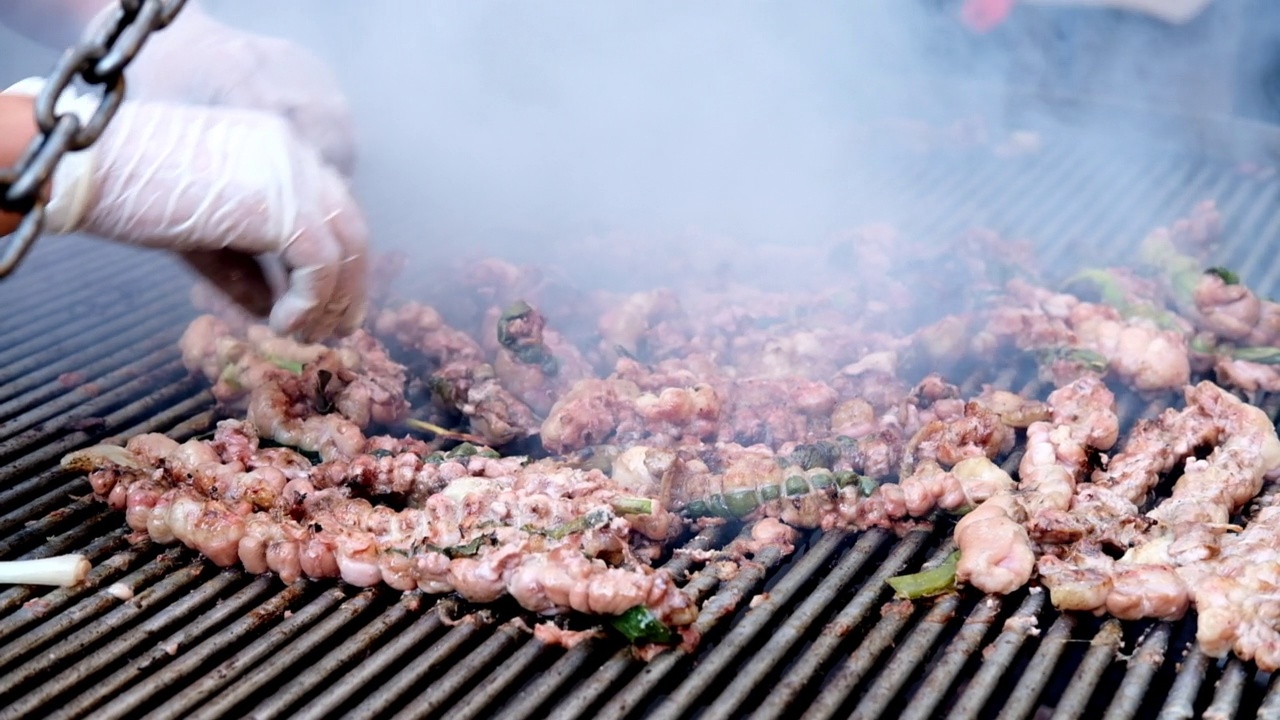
x: 496, y: 124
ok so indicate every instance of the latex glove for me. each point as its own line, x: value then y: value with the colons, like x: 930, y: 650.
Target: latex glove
x: 220, y: 186
x: 198, y: 60
x: 985, y: 15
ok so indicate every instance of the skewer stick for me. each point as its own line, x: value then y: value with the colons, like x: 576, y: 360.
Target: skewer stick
x: 62, y: 570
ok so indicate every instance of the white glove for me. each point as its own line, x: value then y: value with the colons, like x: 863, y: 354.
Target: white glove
x: 219, y: 185
x: 198, y: 60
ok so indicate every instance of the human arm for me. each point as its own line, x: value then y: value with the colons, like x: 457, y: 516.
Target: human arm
x: 17, y: 129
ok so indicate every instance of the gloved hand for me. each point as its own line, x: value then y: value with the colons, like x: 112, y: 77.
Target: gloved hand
x: 198, y: 60
x: 219, y: 186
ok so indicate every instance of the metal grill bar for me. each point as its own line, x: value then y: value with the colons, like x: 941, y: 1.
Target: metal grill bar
x: 297, y: 652
x: 413, y: 674
x: 49, y: 303
x: 822, y: 641
x: 1181, y: 702
x: 207, y: 617
x: 475, y: 703
x: 364, y: 642
x: 32, y: 355
x: 443, y: 689
x: 997, y: 660
x: 40, y: 391
x: 1226, y: 702
x: 136, y: 699
x: 794, y: 630
x: 1143, y: 665
x: 960, y: 652
x: 1102, y: 652
x: 741, y: 637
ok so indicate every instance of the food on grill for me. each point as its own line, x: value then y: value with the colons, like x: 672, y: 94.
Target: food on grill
x: 996, y: 551
x: 61, y: 570
x: 486, y: 526
x: 290, y: 388
x: 611, y: 424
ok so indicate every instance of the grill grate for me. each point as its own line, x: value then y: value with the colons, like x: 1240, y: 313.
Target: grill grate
x: 811, y: 635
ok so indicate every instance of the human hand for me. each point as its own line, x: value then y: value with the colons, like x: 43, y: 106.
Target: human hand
x: 198, y: 60
x: 220, y: 186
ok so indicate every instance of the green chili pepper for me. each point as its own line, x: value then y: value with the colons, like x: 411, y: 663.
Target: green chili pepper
x: 1227, y: 276
x: 795, y: 485
x: 927, y: 583
x: 1108, y: 286
x: 741, y: 502
x: 640, y: 625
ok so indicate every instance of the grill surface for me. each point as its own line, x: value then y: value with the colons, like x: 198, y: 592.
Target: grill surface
x: 82, y: 362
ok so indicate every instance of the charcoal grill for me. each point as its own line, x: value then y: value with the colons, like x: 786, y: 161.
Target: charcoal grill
x: 88, y: 354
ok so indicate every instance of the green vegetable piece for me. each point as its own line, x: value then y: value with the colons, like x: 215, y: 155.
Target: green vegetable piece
x: 822, y: 480
x: 770, y: 492
x: 1260, y: 355
x: 380, y: 453
x: 632, y: 506
x: 640, y: 625
x: 529, y: 353
x: 845, y: 478
x: 716, y: 505
x: 1227, y: 276
x: 1088, y: 358
x: 795, y: 485
x: 927, y: 583
x: 1107, y: 284
x: 818, y: 455
x: 465, y: 550
x: 697, y: 508
x: 741, y: 502
x: 1202, y: 344
x: 867, y: 485
x: 435, y: 458
x: 466, y: 449
x: 595, y: 518
x: 290, y: 365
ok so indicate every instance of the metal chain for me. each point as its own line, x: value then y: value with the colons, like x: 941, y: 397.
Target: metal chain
x: 99, y: 59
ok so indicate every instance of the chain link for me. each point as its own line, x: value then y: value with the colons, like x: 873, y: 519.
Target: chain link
x: 99, y: 59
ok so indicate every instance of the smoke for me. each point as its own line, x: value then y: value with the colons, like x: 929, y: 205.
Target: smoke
x: 503, y: 126
x: 510, y: 124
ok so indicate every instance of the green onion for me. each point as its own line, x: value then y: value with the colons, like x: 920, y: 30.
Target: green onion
x: 632, y: 506
x: 1260, y: 355
x: 290, y: 365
